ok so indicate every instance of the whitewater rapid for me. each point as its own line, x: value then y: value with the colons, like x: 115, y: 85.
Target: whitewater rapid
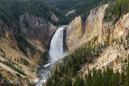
x: 55, y: 52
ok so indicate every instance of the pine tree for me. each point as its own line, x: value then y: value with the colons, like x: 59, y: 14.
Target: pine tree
x: 67, y: 81
x: 79, y: 82
x: 127, y: 76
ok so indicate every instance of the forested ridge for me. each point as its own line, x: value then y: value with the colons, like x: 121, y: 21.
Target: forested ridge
x: 68, y: 73
x: 11, y: 10
x: 82, y: 7
x: 116, y: 9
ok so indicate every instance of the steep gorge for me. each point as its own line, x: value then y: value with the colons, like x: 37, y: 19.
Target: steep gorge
x: 21, y: 57
x: 94, y: 44
x: 97, y: 30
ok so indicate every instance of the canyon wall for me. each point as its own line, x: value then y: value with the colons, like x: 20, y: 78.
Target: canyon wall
x: 78, y: 33
x: 37, y: 31
x: 97, y: 31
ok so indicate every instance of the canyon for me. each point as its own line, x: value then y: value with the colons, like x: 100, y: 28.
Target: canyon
x: 96, y: 30
x: 22, y: 54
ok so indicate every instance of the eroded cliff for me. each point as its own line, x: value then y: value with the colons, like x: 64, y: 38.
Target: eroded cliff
x: 97, y: 31
x: 79, y: 33
x: 37, y: 31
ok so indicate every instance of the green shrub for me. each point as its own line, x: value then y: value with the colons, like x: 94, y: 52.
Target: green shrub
x: 25, y: 62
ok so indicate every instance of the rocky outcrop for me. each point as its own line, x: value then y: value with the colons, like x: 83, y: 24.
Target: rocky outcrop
x: 94, y: 22
x: 74, y: 33
x: 78, y: 33
x: 70, y: 12
x: 111, y: 32
x: 37, y: 30
x: 54, y: 17
x: 95, y: 27
x: 5, y: 31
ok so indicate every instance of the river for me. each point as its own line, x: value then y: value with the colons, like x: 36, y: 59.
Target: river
x: 55, y: 52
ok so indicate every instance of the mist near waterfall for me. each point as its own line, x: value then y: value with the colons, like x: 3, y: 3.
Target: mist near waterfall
x: 56, y: 46
x: 56, y: 52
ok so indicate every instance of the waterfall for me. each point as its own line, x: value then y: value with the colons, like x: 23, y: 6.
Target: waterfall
x: 56, y: 45
x: 55, y: 52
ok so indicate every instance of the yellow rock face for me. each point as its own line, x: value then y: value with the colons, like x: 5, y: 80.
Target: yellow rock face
x: 95, y: 26
x: 77, y: 33
x: 74, y: 33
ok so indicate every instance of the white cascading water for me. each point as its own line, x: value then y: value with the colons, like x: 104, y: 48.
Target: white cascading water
x: 56, y: 46
x: 55, y: 52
